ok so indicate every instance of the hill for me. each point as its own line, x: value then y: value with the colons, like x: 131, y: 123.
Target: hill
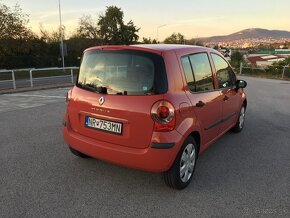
x: 253, y: 33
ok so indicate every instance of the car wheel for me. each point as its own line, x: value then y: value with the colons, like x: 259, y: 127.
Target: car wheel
x: 77, y: 153
x: 241, y: 120
x: 180, y: 174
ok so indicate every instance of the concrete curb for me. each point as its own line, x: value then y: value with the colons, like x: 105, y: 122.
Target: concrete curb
x: 27, y: 89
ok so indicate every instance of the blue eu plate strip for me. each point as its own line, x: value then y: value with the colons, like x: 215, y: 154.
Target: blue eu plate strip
x: 86, y: 121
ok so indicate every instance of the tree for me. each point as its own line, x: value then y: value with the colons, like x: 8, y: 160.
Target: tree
x: 113, y: 30
x: 88, y: 27
x: 276, y: 67
x: 129, y: 33
x: 287, y: 61
x: 109, y: 28
x: 236, y: 59
x: 49, y: 36
x: 149, y: 41
x: 75, y: 47
x: 13, y: 23
x: 175, y: 39
x: 17, y: 41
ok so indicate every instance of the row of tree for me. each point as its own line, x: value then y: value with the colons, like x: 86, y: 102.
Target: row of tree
x: 22, y: 48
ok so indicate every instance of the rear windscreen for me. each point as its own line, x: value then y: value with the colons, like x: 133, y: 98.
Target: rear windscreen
x: 122, y: 72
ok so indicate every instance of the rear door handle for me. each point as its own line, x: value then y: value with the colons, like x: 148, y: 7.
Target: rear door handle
x: 226, y: 98
x: 200, y: 104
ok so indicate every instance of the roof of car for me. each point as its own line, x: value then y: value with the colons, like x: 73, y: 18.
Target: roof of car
x: 165, y: 47
x: 156, y: 48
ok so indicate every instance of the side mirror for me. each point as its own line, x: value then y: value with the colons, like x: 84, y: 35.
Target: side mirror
x: 241, y: 84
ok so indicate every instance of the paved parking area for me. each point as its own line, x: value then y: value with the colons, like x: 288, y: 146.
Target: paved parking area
x: 17, y: 101
x: 241, y: 175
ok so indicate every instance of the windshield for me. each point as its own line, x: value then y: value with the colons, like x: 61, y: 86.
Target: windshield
x: 122, y: 72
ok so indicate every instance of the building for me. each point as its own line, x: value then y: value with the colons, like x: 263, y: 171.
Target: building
x: 264, y: 58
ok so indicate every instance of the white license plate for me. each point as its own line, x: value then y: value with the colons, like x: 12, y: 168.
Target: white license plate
x: 104, y: 125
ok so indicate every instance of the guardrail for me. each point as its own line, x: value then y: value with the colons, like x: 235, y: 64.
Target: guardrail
x: 13, y: 77
x: 51, y: 69
x: 33, y: 70
x: 283, y: 73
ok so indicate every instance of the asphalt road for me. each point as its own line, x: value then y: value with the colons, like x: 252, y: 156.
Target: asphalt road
x: 241, y: 175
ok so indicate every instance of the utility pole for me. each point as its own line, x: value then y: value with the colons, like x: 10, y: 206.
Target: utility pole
x: 61, y: 34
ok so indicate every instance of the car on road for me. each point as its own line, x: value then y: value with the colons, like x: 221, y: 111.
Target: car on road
x: 153, y: 107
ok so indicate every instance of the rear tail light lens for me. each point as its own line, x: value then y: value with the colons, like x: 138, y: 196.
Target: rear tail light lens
x: 163, y: 115
x: 163, y: 112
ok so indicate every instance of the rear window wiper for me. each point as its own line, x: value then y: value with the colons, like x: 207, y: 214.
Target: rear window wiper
x: 98, y: 89
x: 102, y: 89
x: 88, y: 87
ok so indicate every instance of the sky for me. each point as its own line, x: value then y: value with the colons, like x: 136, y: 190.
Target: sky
x: 192, y: 18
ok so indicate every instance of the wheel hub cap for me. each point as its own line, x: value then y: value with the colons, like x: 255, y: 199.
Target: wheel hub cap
x: 187, y: 162
x: 242, y: 117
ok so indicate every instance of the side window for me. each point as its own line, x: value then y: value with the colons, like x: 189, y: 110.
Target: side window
x: 188, y: 73
x: 202, y: 72
x: 225, y: 75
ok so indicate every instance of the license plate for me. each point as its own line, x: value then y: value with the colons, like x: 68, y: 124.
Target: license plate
x: 104, y: 125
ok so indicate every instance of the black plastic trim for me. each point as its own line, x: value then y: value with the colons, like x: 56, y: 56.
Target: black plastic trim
x: 162, y: 145
x: 221, y: 121
x: 214, y: 124
x: 229, y: 116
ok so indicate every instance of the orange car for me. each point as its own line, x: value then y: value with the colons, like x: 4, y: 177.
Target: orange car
x: 153, y: 107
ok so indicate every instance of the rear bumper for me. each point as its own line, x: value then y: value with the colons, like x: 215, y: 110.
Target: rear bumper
x: 148, y: 159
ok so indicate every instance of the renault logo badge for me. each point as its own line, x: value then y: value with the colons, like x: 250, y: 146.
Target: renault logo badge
x: 101, y: 100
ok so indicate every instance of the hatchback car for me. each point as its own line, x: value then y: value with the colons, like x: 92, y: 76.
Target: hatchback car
x: 153, y: 107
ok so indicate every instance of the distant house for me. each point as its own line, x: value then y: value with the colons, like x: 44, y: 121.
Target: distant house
x: 265, y: 58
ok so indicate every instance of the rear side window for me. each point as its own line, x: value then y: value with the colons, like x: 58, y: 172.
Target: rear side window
x: 225, y: 74
x: 198, y: 66
x: 122, y: 72
x: 188, y: 73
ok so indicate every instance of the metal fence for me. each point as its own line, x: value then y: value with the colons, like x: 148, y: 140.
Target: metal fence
x: 12, y: 76
x: 286, y: 72
x: 283, y: 72
x: 33, y: 78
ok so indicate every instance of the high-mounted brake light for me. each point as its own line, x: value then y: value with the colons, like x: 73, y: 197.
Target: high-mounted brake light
x: 163, y: 114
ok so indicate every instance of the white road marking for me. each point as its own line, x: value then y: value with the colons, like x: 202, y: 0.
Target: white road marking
x: 40, y: 96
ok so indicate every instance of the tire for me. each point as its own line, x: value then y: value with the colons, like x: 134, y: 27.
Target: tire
x: 77, y: 153
x: 241, y: 120
x: 186, y: 159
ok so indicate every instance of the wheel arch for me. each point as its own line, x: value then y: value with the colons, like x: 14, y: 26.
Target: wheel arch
x: 196, y: 136
x: 245, y: 102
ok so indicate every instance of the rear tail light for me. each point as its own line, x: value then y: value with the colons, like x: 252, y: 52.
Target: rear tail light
x: 163, y: 115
